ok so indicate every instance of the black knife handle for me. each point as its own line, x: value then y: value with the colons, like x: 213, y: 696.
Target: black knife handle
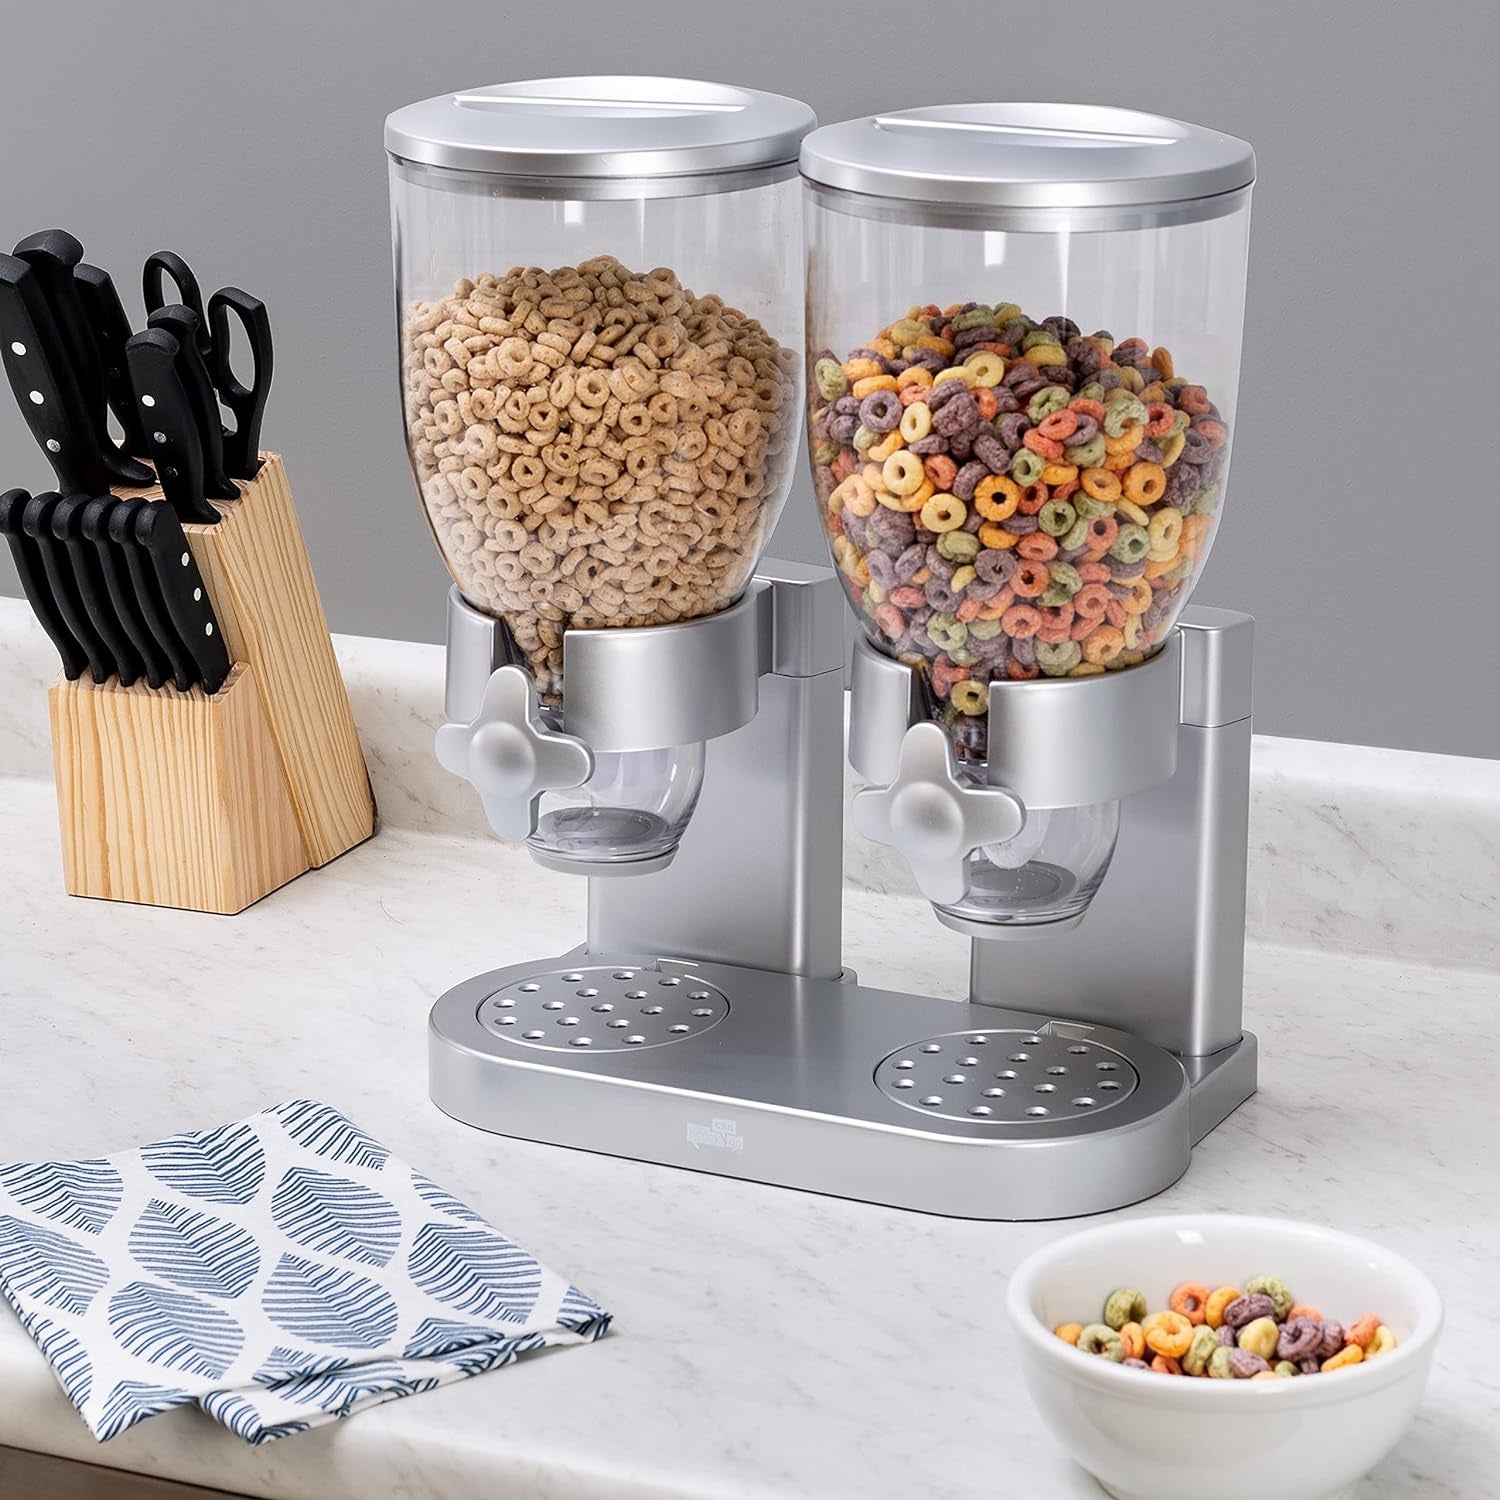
x: 43, y: 382
x: 168, y: 264
x: 247, y: 403
x: 192, y: 613
x: 170, y: 423
x: 54, y: 254
x: 88, y: 576
x: 94, y: 525
x: 36, y: 522
x: 34, y: 585
x: 121, y: 528
x: 111, y: 330
x: 183, y: 324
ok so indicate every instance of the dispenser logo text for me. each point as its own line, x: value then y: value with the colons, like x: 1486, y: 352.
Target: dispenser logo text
x: 722, y: 1135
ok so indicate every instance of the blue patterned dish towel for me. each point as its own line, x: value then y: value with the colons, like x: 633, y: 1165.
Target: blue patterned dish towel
x: 280, y: 1272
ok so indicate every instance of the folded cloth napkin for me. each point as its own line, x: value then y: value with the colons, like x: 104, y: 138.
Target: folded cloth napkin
x: 280, y: 1272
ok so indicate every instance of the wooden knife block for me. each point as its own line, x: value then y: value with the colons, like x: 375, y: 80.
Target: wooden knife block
x: 211, y: 802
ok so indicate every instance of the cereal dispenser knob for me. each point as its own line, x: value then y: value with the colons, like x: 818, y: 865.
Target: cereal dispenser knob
x: 510, y: 756
x: 934, y: 815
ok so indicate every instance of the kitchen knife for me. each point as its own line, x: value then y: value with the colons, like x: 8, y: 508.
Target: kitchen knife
x: 156, y: 666
x: 88, y: 577
x: 183, y: 324
x: 53, y: 255
x: 111, y: 331
x: 247, y: 404
x: 34, y: 585
x: 36, y: 522
x: 43, y: 381
x: 160, y: 534
x: 148, y: 594
x: 170, y: 422
x: 164, y: 264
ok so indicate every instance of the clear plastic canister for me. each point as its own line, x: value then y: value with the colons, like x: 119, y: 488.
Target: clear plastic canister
x: 1024, y: 327
x: 599, y: 311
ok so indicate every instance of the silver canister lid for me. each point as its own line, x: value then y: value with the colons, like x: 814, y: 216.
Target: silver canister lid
x: 601, y: 127
x: 1027, y: 156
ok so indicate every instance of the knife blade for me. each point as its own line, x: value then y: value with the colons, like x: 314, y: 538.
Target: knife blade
x: 34, y: 585
x: 88, y: 577
x: 148, y: 594
x: 43, y: 382
x: 160, y: 534
x: 168, y: 417
x: 163, y: 264
x: 111, y: 331
x: 36, y: 522
x: 183, y: 324
x: 246, y: 403
x: 156, y: 666
x: 53, y: 255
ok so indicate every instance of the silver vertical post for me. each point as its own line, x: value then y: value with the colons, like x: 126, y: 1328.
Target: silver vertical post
x: 757, y: 881
x: 1160, y: 951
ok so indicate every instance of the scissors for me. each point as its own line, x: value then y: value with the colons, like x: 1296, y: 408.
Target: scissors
x: 245, y: 403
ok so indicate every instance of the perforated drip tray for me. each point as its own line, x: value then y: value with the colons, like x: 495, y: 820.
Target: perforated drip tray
x: 1017, y: 1076
x: 604, y: 1007
x: 824, y: 1084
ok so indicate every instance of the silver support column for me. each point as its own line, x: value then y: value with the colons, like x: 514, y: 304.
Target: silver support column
x: 757, y: 881
x: 1160, y: 951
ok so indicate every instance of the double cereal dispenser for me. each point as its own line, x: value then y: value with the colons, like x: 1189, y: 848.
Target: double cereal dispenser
x: 1017, y: 389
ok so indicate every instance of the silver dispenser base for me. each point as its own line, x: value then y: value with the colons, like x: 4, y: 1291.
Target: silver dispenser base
x: 747, y: 1053
x: 826, y: 1085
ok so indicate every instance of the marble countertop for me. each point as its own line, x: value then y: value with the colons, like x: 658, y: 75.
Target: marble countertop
x: 767, y: 1343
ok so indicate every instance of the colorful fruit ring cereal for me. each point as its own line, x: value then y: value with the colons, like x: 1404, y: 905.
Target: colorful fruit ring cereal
x: 1218, y: 1300
x: 902, y: 474
x: 1200, y: 1351
x: 1052, y: 450
x: 943, y: 513
x: 1188, y: 1299
x: 1101, y: 484
x: 1030, y: 581
x: 970, y: 697
x: 916, y: 419
x: 1101, y: 1339
x: 1168, y: 1333
x: 1260, y: 1336
x: 1103, y: 644
x: 996, y: 497
x: 1145, y: 483
x: 1020, y: 621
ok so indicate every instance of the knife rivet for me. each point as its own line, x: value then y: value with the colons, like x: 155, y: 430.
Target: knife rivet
x: 197, y: 595
x: 148, y: 400
x: 36, y: 398
x: 158, y: 437
x: 53, y: 446
x: 18, y: 347
x: 187, y: 557
x: 209, y: 628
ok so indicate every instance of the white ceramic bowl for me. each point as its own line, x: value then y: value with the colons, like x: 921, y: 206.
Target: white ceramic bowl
x: 1145, y: 1436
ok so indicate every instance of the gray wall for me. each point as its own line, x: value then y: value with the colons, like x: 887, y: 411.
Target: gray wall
x: 1365, y: 515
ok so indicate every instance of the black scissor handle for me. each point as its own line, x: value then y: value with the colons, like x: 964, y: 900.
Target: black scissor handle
x: 164, y: 263
x: 247, y: 403
x: 184, y: 325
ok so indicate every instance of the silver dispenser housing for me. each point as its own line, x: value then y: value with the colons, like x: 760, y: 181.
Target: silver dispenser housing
x: 706, y: 1021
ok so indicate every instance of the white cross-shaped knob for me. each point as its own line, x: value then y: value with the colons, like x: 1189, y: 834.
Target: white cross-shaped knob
x: 935, y: 815
x: 510, y: 756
